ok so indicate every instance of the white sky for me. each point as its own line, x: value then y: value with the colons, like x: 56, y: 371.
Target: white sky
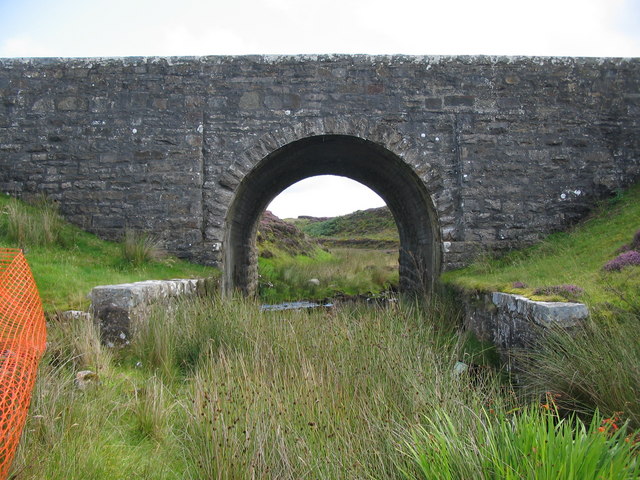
x: 89, y: 28
x: 324, y: 196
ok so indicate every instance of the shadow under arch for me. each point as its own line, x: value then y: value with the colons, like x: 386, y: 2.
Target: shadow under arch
x: 361, y: 160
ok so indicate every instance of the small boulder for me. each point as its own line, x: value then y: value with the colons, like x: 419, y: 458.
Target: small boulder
x: 85, y: 379
x: 314, y: 281
x: 74, y: 315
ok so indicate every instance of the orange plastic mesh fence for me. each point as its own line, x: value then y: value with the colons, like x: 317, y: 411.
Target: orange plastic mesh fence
x: 22, y: 343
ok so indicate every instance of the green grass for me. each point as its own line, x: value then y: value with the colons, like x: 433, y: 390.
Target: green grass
x: 73, y: 262
x: 594, y: 366
x: 573, y: 257
x: 374, y: 223
x: 530, y: 443
x: 343, y: 271
x: 214, y: 388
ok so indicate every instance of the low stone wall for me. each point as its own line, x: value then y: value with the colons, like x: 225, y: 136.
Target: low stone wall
x: 507, y: 321
x: 116, y: 308
x: 512, y: 321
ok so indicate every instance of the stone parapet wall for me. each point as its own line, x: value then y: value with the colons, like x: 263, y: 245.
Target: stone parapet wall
x: 117, y: 309
x: 512, y: 322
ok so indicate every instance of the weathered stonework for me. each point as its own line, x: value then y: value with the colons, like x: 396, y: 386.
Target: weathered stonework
x: 500, y: 150
x: 514, y: 322
x: 117, y: 309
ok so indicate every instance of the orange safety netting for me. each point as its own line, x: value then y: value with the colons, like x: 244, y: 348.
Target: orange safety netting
x: 22, y: 343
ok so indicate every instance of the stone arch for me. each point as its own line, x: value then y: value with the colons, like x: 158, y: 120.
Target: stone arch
x: 365, y: 161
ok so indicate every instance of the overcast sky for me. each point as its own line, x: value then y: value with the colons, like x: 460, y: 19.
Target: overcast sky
x: 86, y: 28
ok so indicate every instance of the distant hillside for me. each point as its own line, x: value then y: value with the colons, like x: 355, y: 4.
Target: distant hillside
x: 294, y: 265
x: 275, y: 236
x: 372, y: 228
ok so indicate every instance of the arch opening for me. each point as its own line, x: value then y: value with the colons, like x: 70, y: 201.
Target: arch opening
x: 327, y: 237
x: 361, y: 160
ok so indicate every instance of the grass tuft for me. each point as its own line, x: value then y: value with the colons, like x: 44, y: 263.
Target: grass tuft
x: 28, y: 226
x: 78, y: 342
x: 139, y: 248
x: 152, y: 409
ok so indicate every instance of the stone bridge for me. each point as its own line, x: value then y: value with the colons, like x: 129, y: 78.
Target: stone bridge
x: 468, y: 152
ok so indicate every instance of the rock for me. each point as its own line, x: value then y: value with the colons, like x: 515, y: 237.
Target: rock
x: 74, y: 315
x: 314, y: 281
x: 547, y: 314
x: 460, y: 367
x: 85, y: 379
x: 512, y: 322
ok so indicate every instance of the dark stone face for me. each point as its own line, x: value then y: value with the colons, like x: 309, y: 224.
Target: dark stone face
x: 469, y: 152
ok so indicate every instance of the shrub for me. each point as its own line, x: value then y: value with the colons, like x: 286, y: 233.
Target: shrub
x: 625, y: 259
x: 634, y: 245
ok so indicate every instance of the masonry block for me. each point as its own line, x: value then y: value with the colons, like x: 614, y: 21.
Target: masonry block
x: 118, y: 309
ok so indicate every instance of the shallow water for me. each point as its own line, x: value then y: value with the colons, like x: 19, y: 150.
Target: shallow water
x: 293, y: 306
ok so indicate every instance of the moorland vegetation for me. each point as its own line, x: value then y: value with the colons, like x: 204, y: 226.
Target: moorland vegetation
x: 216, y: 388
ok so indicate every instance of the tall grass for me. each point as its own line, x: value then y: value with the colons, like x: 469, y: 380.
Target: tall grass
x: 217, y: 389
x: 170, y: 343
x: 27, y: 226
x: 310, y: 395
x: 594, y: 366
x: 532, y: 443
x: 77, y: 342
x: 139, y: 248
x: 348, y: 270
x: 153, y: 409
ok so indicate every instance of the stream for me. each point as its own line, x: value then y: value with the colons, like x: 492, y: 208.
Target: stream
x: 381, y: 299
x: 299, y: 305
